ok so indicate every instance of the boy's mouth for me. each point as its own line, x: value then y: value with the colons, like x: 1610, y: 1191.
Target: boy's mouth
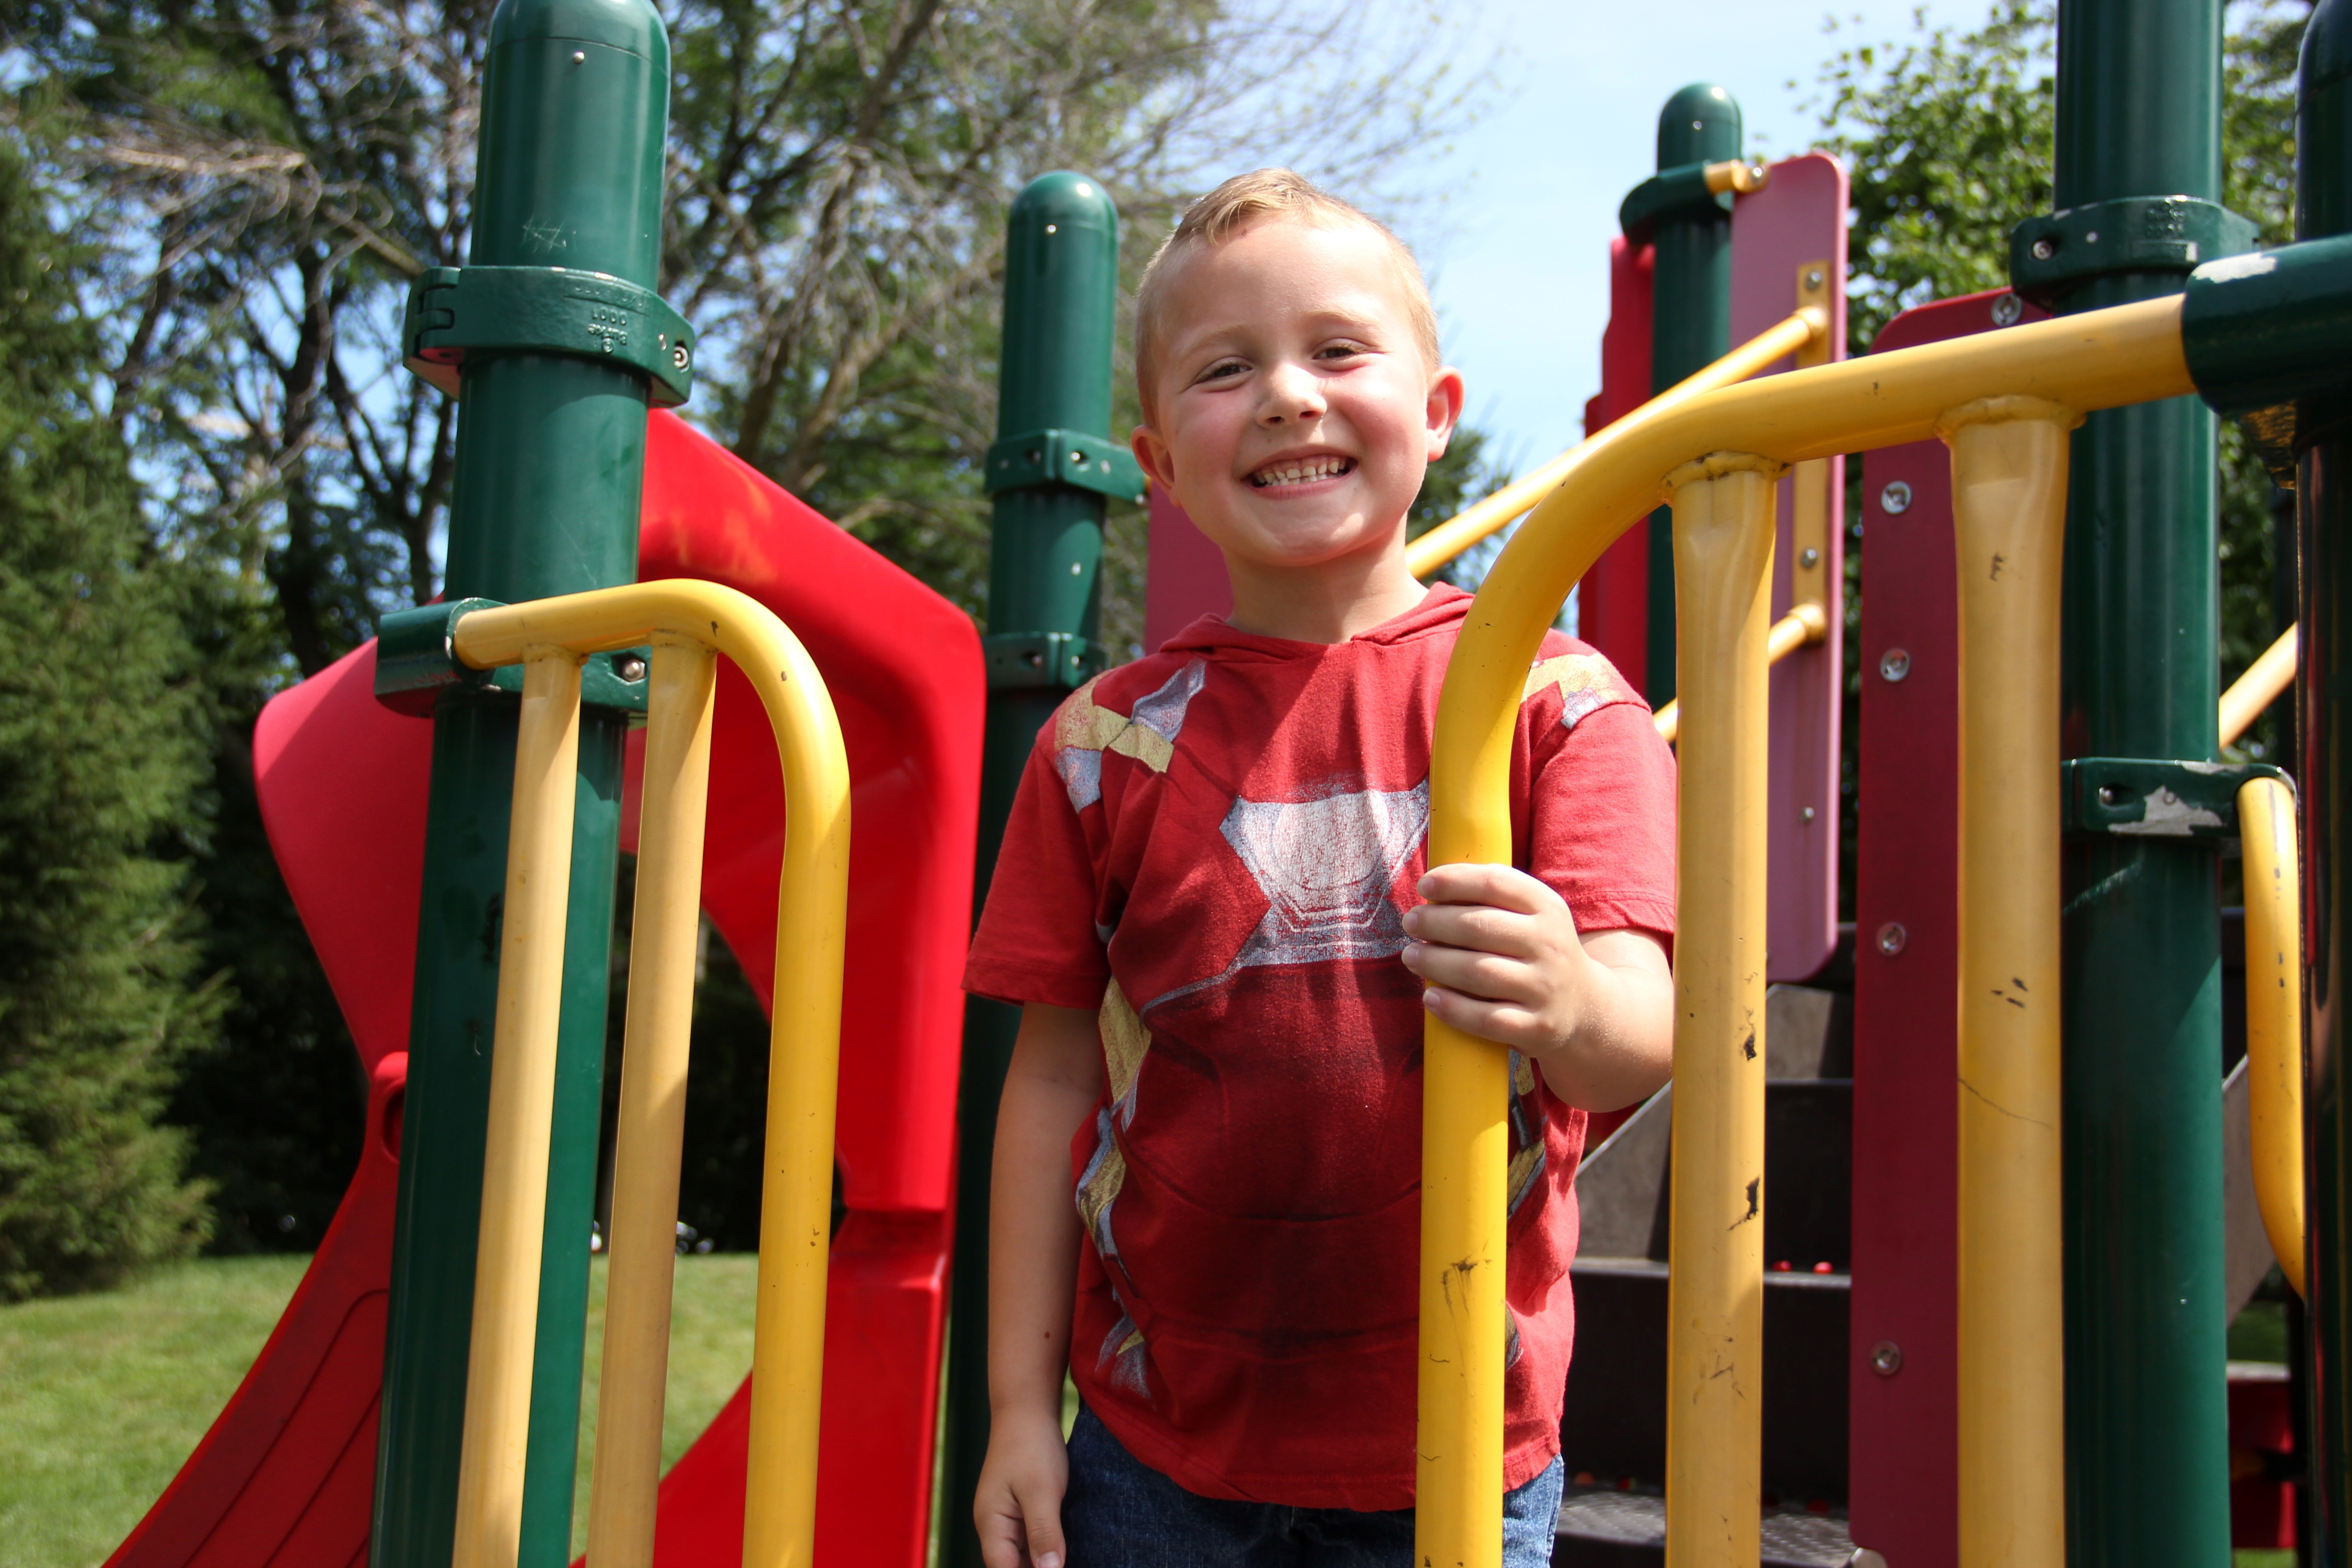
x: 1301, y: 471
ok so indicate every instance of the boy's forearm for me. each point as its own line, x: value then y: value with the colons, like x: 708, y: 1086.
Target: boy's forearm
x: 1622, y: 1050
x: 1034, y: 1237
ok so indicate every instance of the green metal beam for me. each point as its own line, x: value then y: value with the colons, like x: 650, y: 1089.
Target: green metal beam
x: 551, y: 461
x: 1061, y: 290
x: 1690, y: 312
x: 2148, y: 1458
x: 2323, y: 507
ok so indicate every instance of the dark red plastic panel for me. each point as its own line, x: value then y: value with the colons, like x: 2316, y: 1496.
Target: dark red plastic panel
x: 1903, y: 1434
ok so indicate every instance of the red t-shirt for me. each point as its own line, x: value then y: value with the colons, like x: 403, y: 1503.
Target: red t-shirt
x: 1213, y: 847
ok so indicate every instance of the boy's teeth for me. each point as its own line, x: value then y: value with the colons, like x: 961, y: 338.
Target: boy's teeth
x: 1300, y: 471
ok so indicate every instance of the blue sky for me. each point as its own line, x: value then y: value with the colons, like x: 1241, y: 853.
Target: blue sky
x: 1517, y: 241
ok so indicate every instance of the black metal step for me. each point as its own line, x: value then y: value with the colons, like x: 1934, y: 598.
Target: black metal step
x: 1613, y: 1429
x: 1613, y: 1426
x: 1600, y: 1528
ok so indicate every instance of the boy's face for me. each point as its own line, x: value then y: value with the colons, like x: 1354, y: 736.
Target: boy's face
x: 1294, y: 412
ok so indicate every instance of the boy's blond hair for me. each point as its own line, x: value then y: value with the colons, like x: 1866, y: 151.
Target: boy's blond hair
x: 1235, y: 205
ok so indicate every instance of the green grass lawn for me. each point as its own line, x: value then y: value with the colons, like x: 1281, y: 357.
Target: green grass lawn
x: 102, y: 1397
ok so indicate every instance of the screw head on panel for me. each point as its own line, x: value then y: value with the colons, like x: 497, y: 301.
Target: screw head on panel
x: 1893, y: 664
x: 679, y: 357
x: 2043, y: 250
x: 629, y: 668
x: 2007, y: 310
x: 1886, y: 1358
x: 1895, y: 497
x: 1808, y: 559
x: 1892, y: 939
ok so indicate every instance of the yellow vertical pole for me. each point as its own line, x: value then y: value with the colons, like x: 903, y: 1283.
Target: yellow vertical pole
x: 2274, y: 1011
x: 1464, y: 1156
x: 1723, y: 510
x: 652, y: 1123
x: 497, y: 1426
x: 2009, y: 506
x: 803, y: 1067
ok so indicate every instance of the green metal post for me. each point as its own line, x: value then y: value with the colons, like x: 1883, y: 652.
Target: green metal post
x: 1690, y: 313
x: 2323, y: 502
x: 551, y: 461
x: 2148, y: 1459
x: 1045, y: 610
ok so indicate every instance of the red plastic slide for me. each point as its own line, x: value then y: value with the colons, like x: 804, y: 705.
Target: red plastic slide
x: 286, y: 1474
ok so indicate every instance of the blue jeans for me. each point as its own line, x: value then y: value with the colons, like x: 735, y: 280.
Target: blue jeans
x: 1121, y: 1513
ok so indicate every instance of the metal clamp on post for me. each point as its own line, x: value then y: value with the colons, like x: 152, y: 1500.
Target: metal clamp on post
x: 2048, y: 256
x: 1672, y: 192
x: 417, y: 660
x: 2140, y: 797
x: 456, y: 311
x: 1061, y: 660
x: 1064, y: 457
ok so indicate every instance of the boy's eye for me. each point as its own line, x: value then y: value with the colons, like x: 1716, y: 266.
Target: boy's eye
x: 1340, y: 351
x: 1222, y: 369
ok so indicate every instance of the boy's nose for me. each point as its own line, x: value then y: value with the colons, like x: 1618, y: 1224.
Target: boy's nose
x: 1291, y: 395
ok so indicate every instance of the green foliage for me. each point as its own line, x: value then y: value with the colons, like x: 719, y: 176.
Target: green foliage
x: 99, y: 754
x: 1948, y: 141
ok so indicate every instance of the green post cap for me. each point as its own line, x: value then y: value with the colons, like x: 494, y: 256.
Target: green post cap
x: 630, y: 24
x: 1699, y: 124
x: 1067, y: 198
x: 1061, y: 291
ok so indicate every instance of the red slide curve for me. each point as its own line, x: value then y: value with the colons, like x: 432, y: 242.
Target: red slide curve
x: 286, y: 1474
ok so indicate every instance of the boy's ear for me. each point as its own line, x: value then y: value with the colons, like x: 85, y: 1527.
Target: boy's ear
x: 1152, y: 453
x: 1446, y: 393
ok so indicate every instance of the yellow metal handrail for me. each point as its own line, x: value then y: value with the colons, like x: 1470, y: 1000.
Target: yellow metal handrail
x: 687, y: 623
x: 2258, y: 688
x: 1805, y: 327
x: 2274, y: 1013
x: 2101, y: 359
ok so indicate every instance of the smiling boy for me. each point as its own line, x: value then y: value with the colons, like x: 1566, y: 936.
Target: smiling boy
x: 1210, y: 905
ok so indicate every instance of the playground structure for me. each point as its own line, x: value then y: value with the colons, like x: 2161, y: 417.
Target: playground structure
x: 2036, y: 1184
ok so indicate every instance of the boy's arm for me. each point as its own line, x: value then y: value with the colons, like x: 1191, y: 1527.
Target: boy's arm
x: 1501, y: 958
x: 1054, y: 1083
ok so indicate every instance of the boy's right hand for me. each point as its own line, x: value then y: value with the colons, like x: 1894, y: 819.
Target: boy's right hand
x: 1018, y: 1504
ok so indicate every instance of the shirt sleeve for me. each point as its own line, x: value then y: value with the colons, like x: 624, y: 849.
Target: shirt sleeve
x: 1600, y: 815
x: 1037, y: 941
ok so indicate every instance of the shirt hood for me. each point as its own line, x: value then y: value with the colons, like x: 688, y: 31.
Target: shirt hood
x: 1442, y: 609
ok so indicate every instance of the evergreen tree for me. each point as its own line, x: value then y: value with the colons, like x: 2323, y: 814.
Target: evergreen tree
x: 99, y: 751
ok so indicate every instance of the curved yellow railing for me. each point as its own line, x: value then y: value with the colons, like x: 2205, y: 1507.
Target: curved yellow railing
x: 1805, y: 625
x: 2274, y: 1013
x: 687, y: 623
x: 2100, y: 358
x: 2260, y: 686
x: 1805, y: 327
